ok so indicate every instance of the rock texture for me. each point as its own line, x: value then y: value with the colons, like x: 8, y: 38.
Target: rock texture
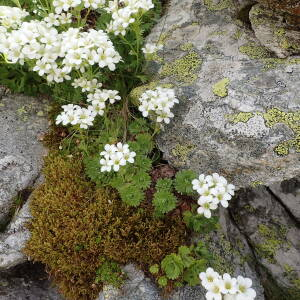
x: 23, y: 120
x: 13, y: 239
x: 273, y: 234
x: 273, y: 32
x: 240, y: 108
x: 27, y: 281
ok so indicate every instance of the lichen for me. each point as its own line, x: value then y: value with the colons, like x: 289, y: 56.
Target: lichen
x: 184, y: 68
x: 276, y: 116
x: 243, y: 117
x: 271, y: 63
x: 187, y: 46
x: 256, y: 183
x: 222, y: 4
x: 166, y: 35
x: 221, y: 87
x: 237, y: 35
x: 273, y: 240
x: 182, y: 152
x: 254, y: 51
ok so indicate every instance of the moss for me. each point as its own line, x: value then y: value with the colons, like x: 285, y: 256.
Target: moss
x: 243, y: 117
x: 220, y: 88
x: 280, y: 32
x: 182, y: 151
x: 77, y: 227
x: 222, y: 4
x: 275, y: 116
x: 184, y: 68
x: 254, y: 51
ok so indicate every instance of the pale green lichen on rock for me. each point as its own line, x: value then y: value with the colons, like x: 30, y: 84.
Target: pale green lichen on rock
x: 273, y: 240
x: 221, y: 87
x: 254, y: 51
x: 243, y: 117
x: 184, y: 68
x: 276, y: 116
x: 223, y: 4
x: 182, y: 152
x: 256, y: 183
x: 187, y: 46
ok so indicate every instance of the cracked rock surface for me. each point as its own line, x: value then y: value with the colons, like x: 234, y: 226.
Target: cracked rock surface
x: 23, y: 120
x: 239, y: 104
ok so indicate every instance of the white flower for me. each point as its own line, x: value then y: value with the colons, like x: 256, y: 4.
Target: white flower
x: 245, y: 292
x: 199, y: 183
x: 116, y: 156
x: 151, y: 48
x: 229, y: 284
x: 158, y: 103
x: 229, y: 297
x: 214, y: 290
x: 221, y: 195
x: 207, y: 203
x: 216, y: 180
x: 208, y: 277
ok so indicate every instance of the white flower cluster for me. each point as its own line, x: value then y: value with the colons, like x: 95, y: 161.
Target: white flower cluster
x: 151, y: 48
x: 56, y: 54
x: 115, y: 156
x: 158, y: 102
x: 231, y: 288
x: 84, y: 117
x: 11, y: 17
x: 57, y: 20
x: 65, y: 5
x: 86, y: 85
x: 213, y: 189
x: 76, y: 115
x: 123, y: 13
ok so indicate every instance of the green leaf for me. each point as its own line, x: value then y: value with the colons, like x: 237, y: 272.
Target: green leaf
x: 154, y: 269
x: 131, y: 195
x: 164, y: 184
x: 183, y: 182
x: 191, y: 274
x: 185, y: 254
x: 138, y: 126
x: 199, y: 223
x: 141, y: 180
x: 145, y: 143
x: 110, y: 273
x: 172, y: 265
x: 164, y: 201
x: 162, y: 281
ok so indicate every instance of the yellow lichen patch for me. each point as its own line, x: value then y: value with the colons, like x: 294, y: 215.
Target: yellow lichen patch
x: 290, y: 119
x: 183, y: 69
x: 222, y: 4
x: 187, y: 46
x: 243, y: 117
x: 77, y: 227
x: 254, y: 51
x: 273, y: 240
x: 182, y: 151
x: 221, y: 87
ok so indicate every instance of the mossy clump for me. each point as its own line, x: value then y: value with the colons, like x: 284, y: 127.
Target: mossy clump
x: 77, y: 228
x: 255, y: 51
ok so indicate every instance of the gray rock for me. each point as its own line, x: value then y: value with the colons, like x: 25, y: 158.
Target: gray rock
x: 27, y: 281
x: 239, y: 104
x: 288, y: 193
x: 14, y: 238
x: 23, y: 121
x: 275, y: 238
x: 273, y: 32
